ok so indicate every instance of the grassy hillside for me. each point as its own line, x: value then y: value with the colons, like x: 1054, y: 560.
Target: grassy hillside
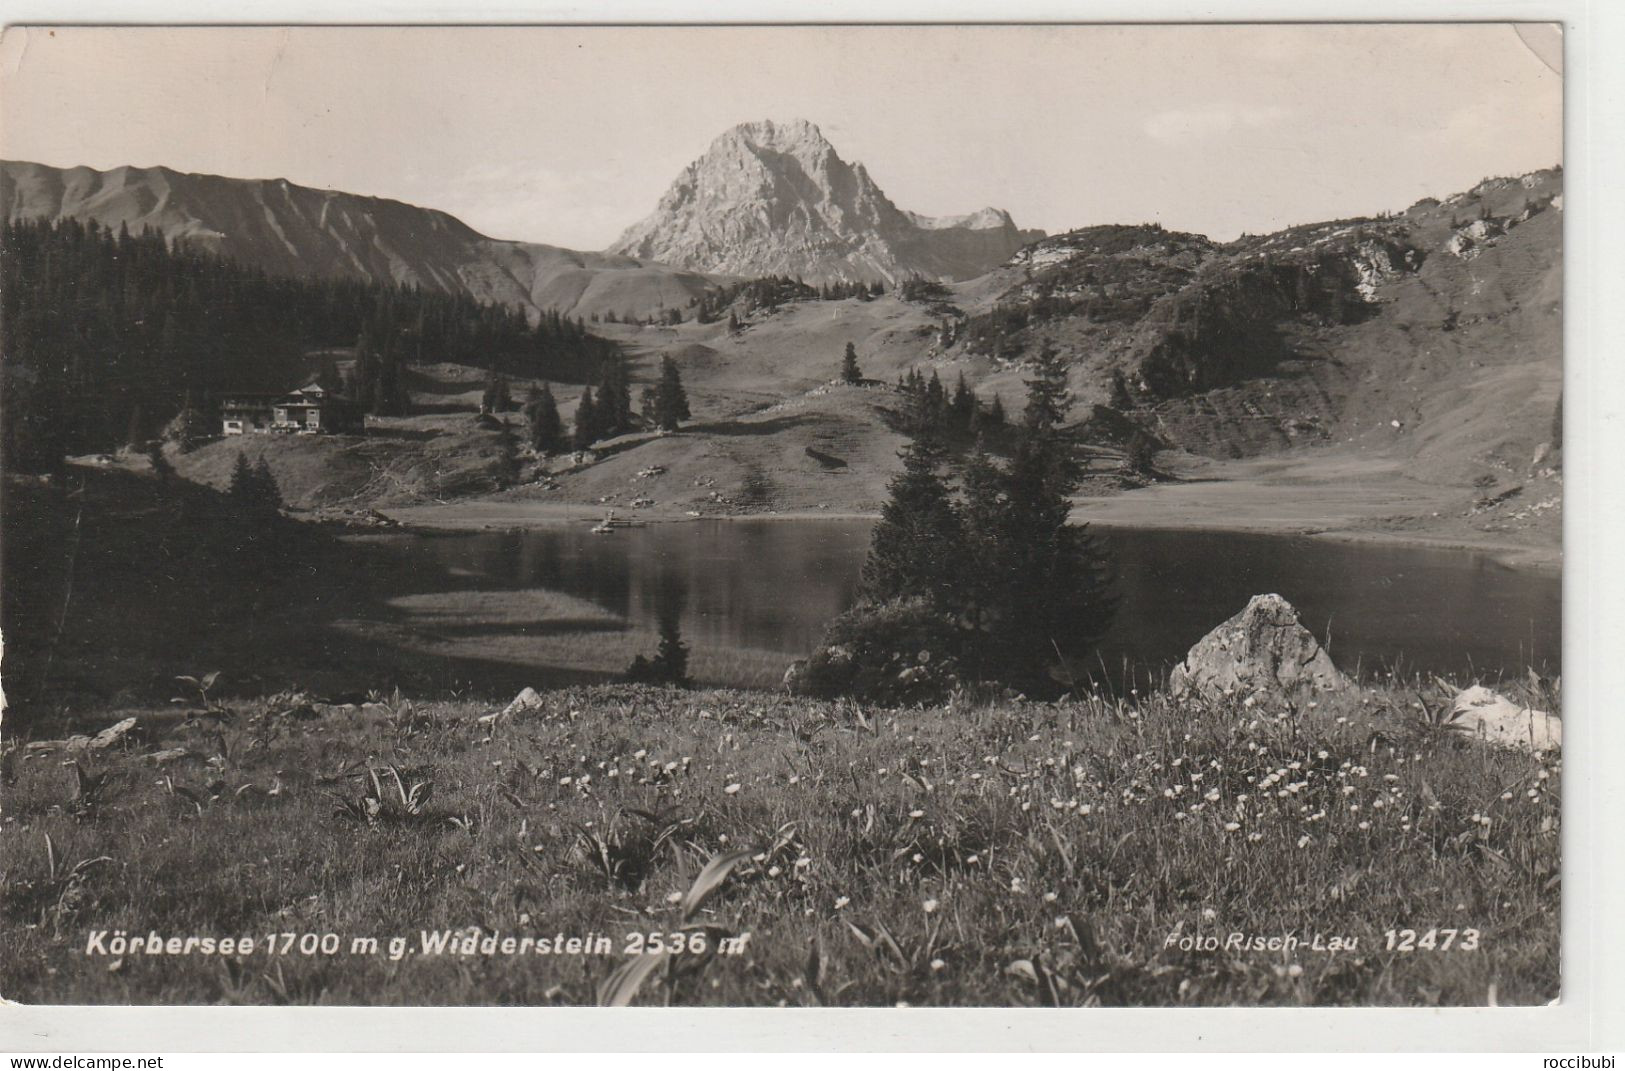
x: 1011, y: 854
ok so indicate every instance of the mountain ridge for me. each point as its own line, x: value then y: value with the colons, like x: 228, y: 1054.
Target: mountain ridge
x: 288, y: 229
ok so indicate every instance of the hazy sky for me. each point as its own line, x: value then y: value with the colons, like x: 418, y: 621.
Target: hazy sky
x: 569, y: 135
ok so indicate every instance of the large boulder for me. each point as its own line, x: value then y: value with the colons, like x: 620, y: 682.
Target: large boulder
x: 1262, y: 651
x: 1493, y: 718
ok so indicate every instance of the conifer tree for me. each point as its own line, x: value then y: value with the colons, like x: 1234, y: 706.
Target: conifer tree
x: 670, y: 401
x: 496, y: 397
x: 546, y: 429
x: 914, y: 548
x: 850, y: 372
x: 267, y: 495
x: 243, y: 490
x: 586, y: 427
x: 1048, y: 398
x: 962, y: 409
x: 613, y: 402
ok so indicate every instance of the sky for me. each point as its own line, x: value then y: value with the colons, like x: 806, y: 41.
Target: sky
x: 569, y: 135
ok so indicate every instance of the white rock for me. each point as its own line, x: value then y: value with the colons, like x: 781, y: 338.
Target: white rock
x: 1492, y: 717
x: 529, y: 699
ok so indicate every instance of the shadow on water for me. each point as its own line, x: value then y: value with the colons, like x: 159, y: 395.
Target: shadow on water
x: 750, y: 596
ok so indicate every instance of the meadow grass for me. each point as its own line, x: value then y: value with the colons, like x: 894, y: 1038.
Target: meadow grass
x: 1001, y: 853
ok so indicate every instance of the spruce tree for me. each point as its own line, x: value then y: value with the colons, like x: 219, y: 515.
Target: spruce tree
x: 914, y: 549
x: 613, y: 402
x: 586, y: 428
x: 267, y: 495
x: 850, y: 372
x: 496, y: 397
x: 1048, y: 398
x: 244, y: 488
x: 670, y: 400
x: 962, y: 409
x: 546, y: 429
x: 1041, y: 584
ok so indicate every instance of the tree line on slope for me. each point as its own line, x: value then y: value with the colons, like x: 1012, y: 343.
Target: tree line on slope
x: 108, y: 333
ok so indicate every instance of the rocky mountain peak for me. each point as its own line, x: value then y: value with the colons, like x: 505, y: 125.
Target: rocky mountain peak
x: 772, y: 198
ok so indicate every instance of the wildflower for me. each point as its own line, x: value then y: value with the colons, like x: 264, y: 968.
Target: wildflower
x: 1017, y: 886
x: 973, y: 860
x: 842, y: 901
x: 917, y: 858
x: 916, y: 814
x: 732, y: 789
x: 1365, y: 825
x: 774, y: 871
x: 803, y: 863
x: 1303, y: 841
x: 1050, y: 898
x: 674, y: 898
x: 1255, y: 837
x: 1295, y: 970
x: 938, y: 964
x: 1086, y: 809
x: 930, y: 906
x: 1231, y: 827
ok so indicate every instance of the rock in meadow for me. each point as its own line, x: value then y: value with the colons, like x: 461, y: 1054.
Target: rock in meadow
x: 528, y: 699
x: 1490, y: 716
x: 1263, y: 650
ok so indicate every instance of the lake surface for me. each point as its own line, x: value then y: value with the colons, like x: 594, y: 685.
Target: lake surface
x: 773, y: 585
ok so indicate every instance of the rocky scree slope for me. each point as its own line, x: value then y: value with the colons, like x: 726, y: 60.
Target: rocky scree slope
x: 777, y: 199
x: 1435, y: 332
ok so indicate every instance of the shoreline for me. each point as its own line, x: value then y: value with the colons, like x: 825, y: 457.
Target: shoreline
x: 486, y: 516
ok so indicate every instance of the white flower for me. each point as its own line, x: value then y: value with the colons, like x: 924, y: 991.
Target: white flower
x: 930, y: 906
x: 842, y: 901
x: 916, y: 814
x: 732, y: 789
x: 938, y: 964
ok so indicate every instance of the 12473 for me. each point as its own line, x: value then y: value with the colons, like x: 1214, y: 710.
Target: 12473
x: 1434, y: 940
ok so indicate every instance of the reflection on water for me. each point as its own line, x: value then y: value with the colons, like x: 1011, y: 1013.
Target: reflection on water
x: 772, y: 585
